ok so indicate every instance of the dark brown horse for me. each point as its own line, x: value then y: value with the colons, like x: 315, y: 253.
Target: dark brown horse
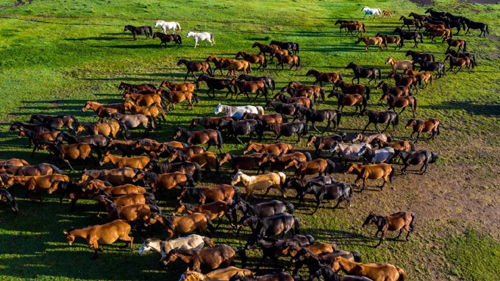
x: 352, y: 88
x: 245, y: 87
x: 321, y: 77
x: 430, y: 125
x: 393, y: 222
x: 209, y: 122
x: 456, y: 43
x: 211, y: 258
x: 223, y: 192
x: 212, y: 137
x: 244, y: 162
x: 357, y: 100
x: 401, y: 102
x: 193, y: 67
x: 217, y: 84
x: 259, y: 59
x: 265, y: 48
x: 292, y: 60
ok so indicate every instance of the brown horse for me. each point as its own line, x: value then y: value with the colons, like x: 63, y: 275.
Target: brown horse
x: 244, y: 162
x: 292, y: 60
x: 193, y: 67
x: 174, y: 97
x: 456, y: 43
x: 67, y: 152
x: 235, y: 65
x: 266, y: 118
x: 41, y: 169
x: 153, y: 111
x: 393, y: 222
x: 379, y: 41
x: 359, y: 27
x: 246, y: 87
x: 444, y: 33
x: 396, y: 91
x: 304, y: 101
x: 459, y: 62
x: 423, y: 76
x: 260, y: 59
x: 223, y: 274
x: 390, y: 39
x: 321, y: 143
x: 401, y: 102
x: 144, y: 100
x: 208, y: 122
x: 223, y: 192
x: 177, y: 86
x: 274, y: 53
x: 123, y: 189
x: 278, y: 148
x: 357, y: 100
x: 177, y: 226
x: 103, y: 110
x: 56, y: 121
x: 106, y: 233
x: 352, y: 89
x: 40, y: 184
x: 373, y: 172
x: 129, y: 212
x: 219, y: 63
x: 320, y: 166
x: 104, y: 129
x: 400, y: 145
x: 168, y: 181
x: 138, y: 162
x: 211, y: 258
x: 200, y: 137
x: 14, y: 162
x: 374, y: 271
x: 430, y: 125
x: 208, y: 159
x: 114, y: 176
x: 321, y: 77
x: 214, y: 210
x: 265, y: 48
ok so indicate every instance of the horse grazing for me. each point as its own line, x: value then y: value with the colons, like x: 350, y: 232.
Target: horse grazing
x: 430, y: 125
x: 6, y: 197
x: 424, y: 157
x: 320, y: 166
x: 323, y: 142
x: 292, y: 60
x: 215, y: 210
x: 146, y: 30
x: 373, y: 172
x: 210, y: 258
x: 321, y: 77
x: 167, y: 38
x: 374, y: 271
x: 361, y: 72
x: 289, y: 129
x: 201, y: 36
x: 209, y: 136
x: 106, y: 233
x: 190, y: 242
x: 223, y: 192
x: 279, y: 148
x: 237, y: 112
x: 459, y: 62
x: 456, y: 43
x: 401, y: 102
x: 393, y: 222
x: 177, y: 226
x: 321, y: 115
x: 381, y: 117
x: 193, y: 66
x: 407, y: 35
x: 290, y: 46
x: 371, y: 12
x: 168, y: 25
x: 476, y: 25
x: 253, y: 183
x: 379, y: 41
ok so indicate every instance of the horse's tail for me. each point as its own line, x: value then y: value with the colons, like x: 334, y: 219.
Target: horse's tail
x: 395, y: 122
x: 412, y: 226
x: 339, y: 116
x: 210, y: 225
x: 196, y: 98
x: 298, y: 61
x: 356, y: 255
x: 150, y: 30
x: 465, y: 46
x: 415, y: 105
x: 219, y: 140
x: 402, y: 274
x: 197, y: 172
x: 365, y: 103
x: 290, y: 207
x: 282, y: 177
x: 379, y: 74
x: 212, y: 37
x: 285, y: 119
x: 438, y: 129
x: 154, y: 208
x: 308, y: 156
x: 367, y: 92
x: 331, y: 166
x: 393, y: 172
x: 260, y: 110
x: 322, y: 93
x: 178, y: 26
x: 296, y: 225
x: 56, y: 169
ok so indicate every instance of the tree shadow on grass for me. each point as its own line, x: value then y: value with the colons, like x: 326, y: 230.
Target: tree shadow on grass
x: 488, y: 110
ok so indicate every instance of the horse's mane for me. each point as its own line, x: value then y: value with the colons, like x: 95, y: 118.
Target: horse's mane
x: 168, y: 221
x: 193, y: 191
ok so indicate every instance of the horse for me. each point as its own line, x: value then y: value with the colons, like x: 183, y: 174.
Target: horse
x: 421, y: 77
x: 289, y: 129
x: 14, y: 162
x: 190, y: 242
x: 269, y: 81
x: 390, y: 39
x: 298, y: 89
x: 210, y: 258
x: 6, y: 197
x: 336, y: 191
x: 439, y: 67
x: 235, y: 65
x: 209, y: 122
x: 400, y: 65
x: 416, y: 56
x: 320, y: 166
x: 266, y: 118
x: 245, y: 162
x: 237, y: 111
x: 283, y: 162
x: 361, y: 72
x: 321, y: 77
x: 405, y: 82
x: 292, y: 60
x: 374, y: 271
x: 430, y: 125
x: 174, y: 97
x: 193, y: 67
x: 113, y: 176
x: 381, y: 117
x: 178, y: 86
x: 243, y: 127
x: 359, y: 27
x: 408, y: 22
x: 215, y: 210
x: 456, y: 43
x: 261, y: 210
x: 177, y: 226
x: 349, y: 151
x: 106, y: 233
x: 424, y: 157
x: 217, y: 84
x: 373, y: 172
x: 393, y: 222
x: 314, y: 262
x: 265, y: 48
x: 166, y: 38
x: 107, y: 129
x: 190, y: 168
x: 168, y: 25
x: 284, y: 108
x: 274, y: 53
x: 303, y: 101
x: 290, y: 46
x: 330, y: 275
x: 201, y: 36
x: 69, y: 151
x: 212, y: 137
x: 168, y: 181
x: 138, y: 162
x: 369, y: 139
x: 407, y: 35
x: 223, y: 192
x: 471, y: 56
x: 435, y: 14
x: 272, y: 226
x: 208, y: 159
x: 396, y: 91
x: 352, y: 88
x: 36, y: 138
x: 146, y: 30
x: 371, y: 41
x: 223, y: 274
x: 323, y: 142
x: 133, y: 121
x: 144, y: 100
x: 102, y: 110
x: 321, y: 115
x: 407, y: 146
x: 246, y: 87
x: 129, y: 212
x: 58, y: 122
x: 253, y: 183
x: 258, y: 59
x: 402, y: 102
x: 379, y: 155
x: 279, y: 148
x: 371, y: 11
x: 41, y: 169
x: 460, y: 62
x: 153, y: 111
x: 476, y: 25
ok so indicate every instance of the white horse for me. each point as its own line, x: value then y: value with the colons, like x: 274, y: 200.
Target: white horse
x: 371, y: 11
x: 167, y: 25
x: 352, y: 151
x: 201, y: 36
x: 237, y: 112
x: 380, y: 155
x: 193, y: 241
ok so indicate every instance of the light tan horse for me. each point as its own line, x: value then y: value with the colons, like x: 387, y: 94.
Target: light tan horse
x: 400, y: 64
x: 374, y: 271
x: 138, y: 162
x: 235, y: 65
x: 261, y: 182
x: 373, y: 172
x: 372, y: 41
x: 223, y: 274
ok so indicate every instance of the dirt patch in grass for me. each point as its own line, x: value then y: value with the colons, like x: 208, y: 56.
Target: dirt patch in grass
x: 423, y: 2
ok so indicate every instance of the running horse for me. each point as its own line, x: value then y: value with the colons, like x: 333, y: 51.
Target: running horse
x: 379, y: 41
x: 374, y: 271
x: 193, y: 67
x: 430, y: 125
x: 212, y: 137
x: 364, y: 72
x: 321, y: 77
x: 146, y: 30
x: 393, y: 222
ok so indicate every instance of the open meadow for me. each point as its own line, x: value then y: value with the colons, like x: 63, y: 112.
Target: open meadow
x: 55, y: 55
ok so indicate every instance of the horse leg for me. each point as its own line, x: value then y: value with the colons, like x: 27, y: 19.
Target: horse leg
x: 400, y: 231
x: 386, y: 127
x: 365, y: 128
x: 314, y: 126
x: 418, y: 135
x: 328, y: 126
x: 185, y: 78
x: 376, y: 128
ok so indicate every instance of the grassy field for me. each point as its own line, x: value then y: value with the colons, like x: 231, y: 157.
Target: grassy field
x: 57, y: 54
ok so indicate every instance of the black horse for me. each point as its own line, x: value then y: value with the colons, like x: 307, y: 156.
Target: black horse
x: 330, y: 275
x: 435, y: 13
x: 242, y: 128
x: 424, y: 157
x: 409, y: 35
x: 314, y: 262
x: 284, y: 108
x: 191, y: 168
x: 417, y: 56
x: 260, y: 210
x: 273, y: 225
x: 99, y: 141
x: 167, y: 38
x: 147, y: 30
x: 458, y: 24
x: 335, y: 191
x: 289, y: 129
x: 476, y: 25
x: 471, y: 56
x: 439, y: 67
x: 290, y: 46
x: 269, y: 81
x: 362, y: 72
x: 6, y: 197
x: 381, y: 117
x: 321, y: 115
x: 217, y: 84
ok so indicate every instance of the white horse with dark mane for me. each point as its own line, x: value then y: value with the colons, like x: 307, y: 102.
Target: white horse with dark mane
x: 168, y: 25
x: 371, y: 11
x: 237, y: 112
x: 201, y: 36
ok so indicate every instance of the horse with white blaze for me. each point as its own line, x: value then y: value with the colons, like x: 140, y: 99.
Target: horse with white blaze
x: 201, y: 36
x: 168, y: 25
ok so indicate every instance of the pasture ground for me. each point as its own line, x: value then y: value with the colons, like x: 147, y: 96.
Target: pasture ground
x: 57, y: 54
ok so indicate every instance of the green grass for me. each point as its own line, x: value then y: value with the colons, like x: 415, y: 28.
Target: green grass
x: 58, y: 54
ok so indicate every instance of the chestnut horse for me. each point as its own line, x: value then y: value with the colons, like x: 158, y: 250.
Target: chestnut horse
x: 278, y: 148
x: 373, y: 172
x: 103, y: 110
x: 210, y: 258
x: 430, y: 125
x: 212, y: 137
x: 174, y: 97
x: 401, y: 102
x: 379, y: 41
x: 422, y: 76
x: 374, y: 271
x: 292, y: 60
x: 245, y: 162
x: 215, y: 210
x: 357, y: 100
x: 193, y: 67
x: 393, y: 222
x: 260, y: 59
x: 139, y: 162
x: 223, y: 192
x: 321, y: 77
x: 320, y: 166
x: 177, y: 226
x: 178, y: 86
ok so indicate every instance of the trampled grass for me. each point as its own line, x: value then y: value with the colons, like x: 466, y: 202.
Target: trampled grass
x: 55, y: 55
